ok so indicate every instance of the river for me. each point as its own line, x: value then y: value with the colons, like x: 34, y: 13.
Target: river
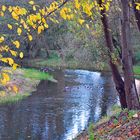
x: 59, y: 111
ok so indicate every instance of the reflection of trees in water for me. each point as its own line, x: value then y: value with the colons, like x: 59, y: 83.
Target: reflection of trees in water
x: 109, y: 94
x: 34, y: 118
x: 50, y: 113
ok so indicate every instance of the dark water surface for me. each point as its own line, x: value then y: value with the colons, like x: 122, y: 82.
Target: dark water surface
x: 59, y: 111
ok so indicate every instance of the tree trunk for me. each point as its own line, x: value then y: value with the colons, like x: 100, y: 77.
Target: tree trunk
x: 119, y: 84
x: 129, y: 81
x: 137, y: 13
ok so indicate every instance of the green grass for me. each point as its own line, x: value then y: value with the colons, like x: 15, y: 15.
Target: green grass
x: 32, y: 77
x: 90, y: 132
x: 38, y: 75
x: 53, y: 62
x: 58, y: 63
x: 115, y: 110
x: 12, y: 99
x: 137, y: 71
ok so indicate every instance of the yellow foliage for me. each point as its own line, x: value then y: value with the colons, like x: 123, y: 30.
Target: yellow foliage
x: 4, y: 8
x: 10, y: 9
x: 65, y: 13
x: 77, y: 4
x: 40, y: 29
x: 31, y: 2
x: 9, y: 26
x: 15, y: 66
x: 46, y: 25
x: 1, y: 39
x: 15, y: 16
x: 19, y: 31
x: 5, y: 76
x: 1, y: 14
x: 8, y: 60
x: 21, y: 55
x: 34, y: 7
x: 4, y: 48
x: 81, y: 21
x: 137, y: 6
x: 19, y: 11
x: 30, y: 37
x: 16, y: 43
x: 14, y: 53
x: 42, y: 11
x: 15, y: 88
x: 87, y: 7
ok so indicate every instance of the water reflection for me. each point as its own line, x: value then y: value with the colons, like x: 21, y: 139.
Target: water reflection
x: 59, y: 111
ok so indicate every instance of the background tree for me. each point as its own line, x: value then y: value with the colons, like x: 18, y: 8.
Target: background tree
x: 129, y: 81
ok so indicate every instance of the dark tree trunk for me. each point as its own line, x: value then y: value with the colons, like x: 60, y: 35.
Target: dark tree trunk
x: 119, y: 84
x: 137, y: 13
x: 129, y: 81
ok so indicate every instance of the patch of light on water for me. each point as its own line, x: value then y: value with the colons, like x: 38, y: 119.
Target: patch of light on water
x: 46, y: 130
x: 79, y: 122
x: 97, y: 112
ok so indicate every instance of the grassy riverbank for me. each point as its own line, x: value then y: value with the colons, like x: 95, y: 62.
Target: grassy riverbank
x: 59, y: 63
x: 62, y: 64
x: 120, y: 125
x: 23, y: 82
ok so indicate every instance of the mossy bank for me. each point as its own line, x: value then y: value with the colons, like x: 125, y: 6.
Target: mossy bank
x: 23, y: 82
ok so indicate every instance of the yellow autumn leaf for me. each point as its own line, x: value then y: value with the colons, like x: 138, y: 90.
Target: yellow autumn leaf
x: 77, y: 4
x: 1, y: 14
x: 34, y: 7
x: 10, y: 61
x: 10, y: 9
x: 138, y: 7
x: 15, y: 16
x: 15, y: 66
x: 10, y: 26
x: 40, y: 29
x: 4, y: 60
x: 43, y: 20
x: 31, y: 2
x: 14, y: 53
x: 15, y: 88
x: 46, y: 25
x: 81, y: 21
x: 63, y: 13
x: 1, y: 39
x: 42, y: 12
x: 19, y: 31
x: 16, y: 43
x: 21, y: 55
x: 3, y: 8
x: 30, y: 37
x: 6, y: 77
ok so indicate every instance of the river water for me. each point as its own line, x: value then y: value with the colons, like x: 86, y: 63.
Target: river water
x: 59, y: 111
